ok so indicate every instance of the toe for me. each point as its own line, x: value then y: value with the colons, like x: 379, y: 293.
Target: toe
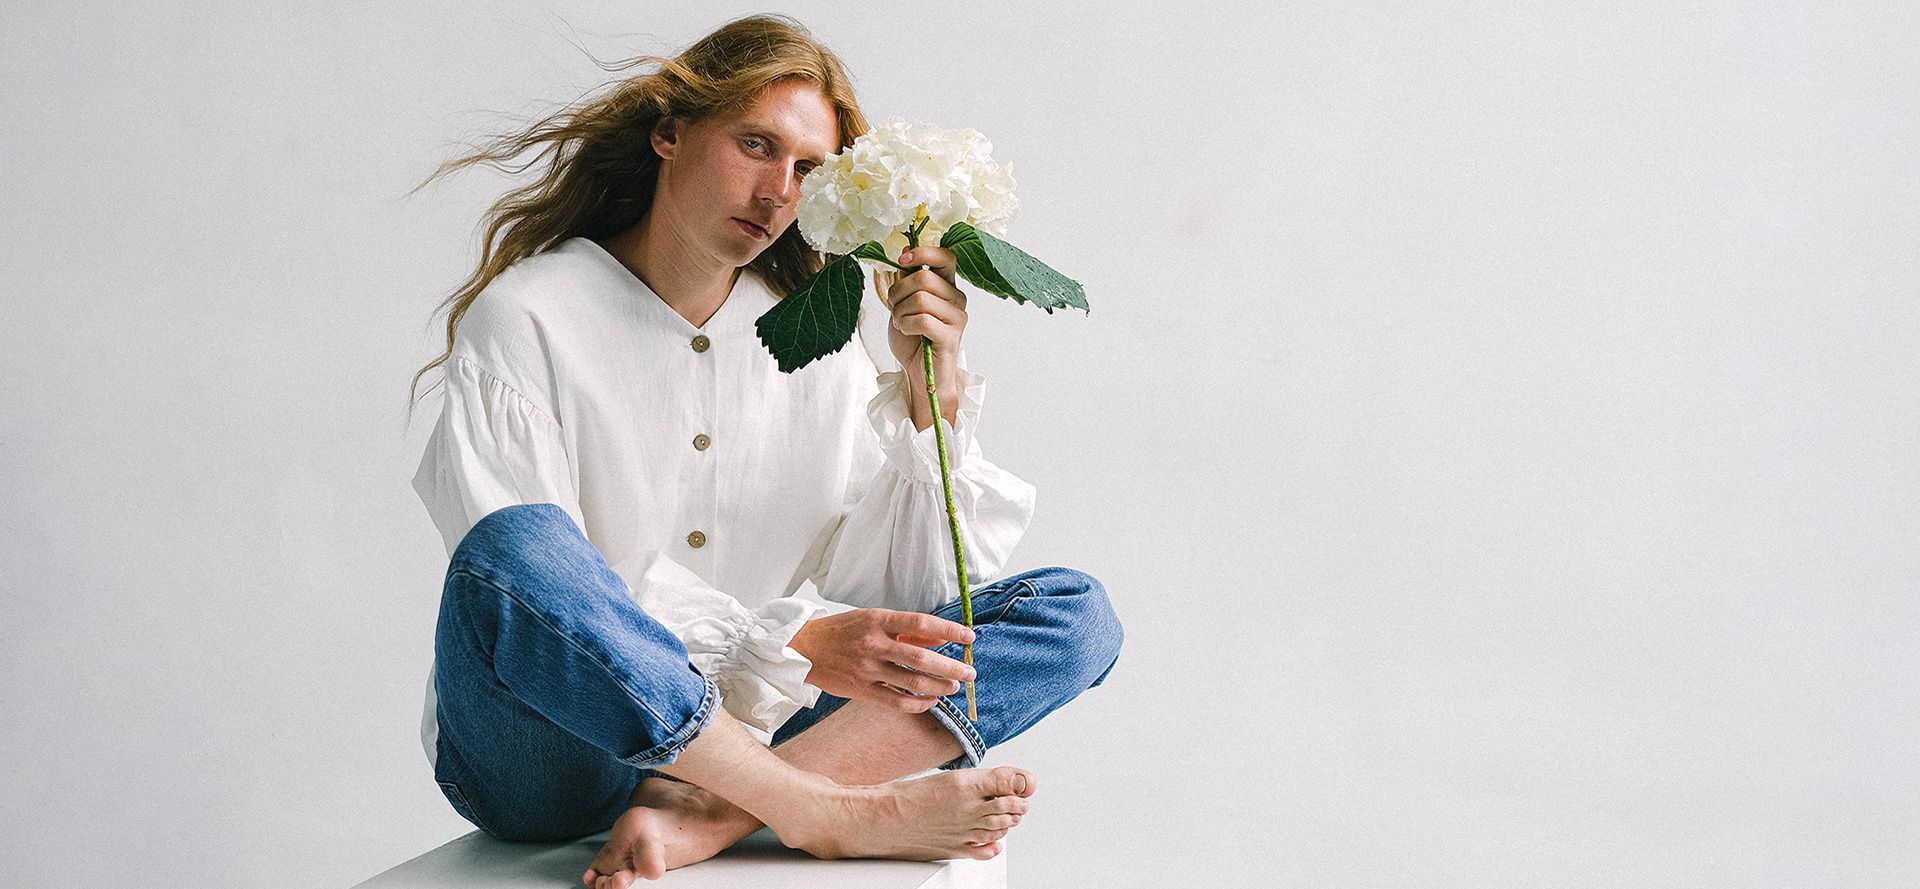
x: 983, y: 837
x: 602, y: 869
x: 653, y: 862
x: 998, y: 822
x: 983, y: 852
x: 1010, y: 781
x: 1006, y: 805
x: 1002, y: 805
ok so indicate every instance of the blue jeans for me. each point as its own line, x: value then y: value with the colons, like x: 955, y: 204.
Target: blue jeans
x: 558, y: 693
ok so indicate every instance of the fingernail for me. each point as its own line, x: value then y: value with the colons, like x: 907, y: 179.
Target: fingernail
x: 972, y: 674
x: 904, y: 254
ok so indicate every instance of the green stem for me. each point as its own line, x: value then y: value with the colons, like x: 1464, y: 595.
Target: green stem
x: 953, y: 518
x: 871, y: 250
x: 946, y: 484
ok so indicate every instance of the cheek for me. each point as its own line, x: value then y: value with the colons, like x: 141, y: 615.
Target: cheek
x: 735, y: 176
x: 713, y: 180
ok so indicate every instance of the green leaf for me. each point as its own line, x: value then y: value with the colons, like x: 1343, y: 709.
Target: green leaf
x: 817, y: 319
x: 872, y: 250
x: 1004, y: 270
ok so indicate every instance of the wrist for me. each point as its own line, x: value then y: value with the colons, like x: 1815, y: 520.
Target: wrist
x: 946, y: 366
x: 802, y: 640
x: 923, y: 416
x: 946, y: 377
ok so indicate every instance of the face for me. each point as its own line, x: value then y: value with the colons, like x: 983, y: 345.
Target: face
x: 730, y: 183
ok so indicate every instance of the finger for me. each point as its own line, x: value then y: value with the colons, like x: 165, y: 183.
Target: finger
x: 933, y: 663
x: 926, y: 301
x: 943, y: 332
x: 902, y: 701
x: 918, y: 683
x: 942, y: 260
x: 903, y: 285
x: 917, y: 640
x: 922, y: 324
x: 920, y: 623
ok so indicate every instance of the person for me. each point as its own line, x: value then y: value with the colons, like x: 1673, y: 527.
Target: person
x: 632, y: 495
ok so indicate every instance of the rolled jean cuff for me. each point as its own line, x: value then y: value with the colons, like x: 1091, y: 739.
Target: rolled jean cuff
x: 972, y: 749
x: 669, y: 750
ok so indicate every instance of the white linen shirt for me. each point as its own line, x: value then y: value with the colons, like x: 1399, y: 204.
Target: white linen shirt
x: 571, y: 382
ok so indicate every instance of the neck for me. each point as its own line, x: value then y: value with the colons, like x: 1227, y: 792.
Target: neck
x: 671, y: 265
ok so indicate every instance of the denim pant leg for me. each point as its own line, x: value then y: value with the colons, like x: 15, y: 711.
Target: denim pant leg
x: 555, y: 689
x: 1041, y: 638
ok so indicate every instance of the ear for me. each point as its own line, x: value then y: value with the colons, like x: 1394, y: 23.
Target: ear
x: 666, y: 136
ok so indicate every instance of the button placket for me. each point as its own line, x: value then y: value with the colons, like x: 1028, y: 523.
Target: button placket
x: 703, y: 483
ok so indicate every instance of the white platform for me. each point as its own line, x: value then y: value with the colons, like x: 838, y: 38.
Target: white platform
x: 477, y: 861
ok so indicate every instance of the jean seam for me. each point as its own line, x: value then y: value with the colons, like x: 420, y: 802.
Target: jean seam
x: 668, y: 750
x: 1013, y: 595
x: 463, y: 807
x: 973, y: 750
x: 445, y: 750
x: 605, y: 667
x: 1014, y: 600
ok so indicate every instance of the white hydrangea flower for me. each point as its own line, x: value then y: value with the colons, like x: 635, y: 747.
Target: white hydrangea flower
x: 877, y: 188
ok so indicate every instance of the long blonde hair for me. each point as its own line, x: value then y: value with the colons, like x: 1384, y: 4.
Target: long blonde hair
x: 601, y: 166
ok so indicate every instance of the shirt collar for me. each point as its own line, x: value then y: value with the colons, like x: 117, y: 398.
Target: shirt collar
x: 749, y: 297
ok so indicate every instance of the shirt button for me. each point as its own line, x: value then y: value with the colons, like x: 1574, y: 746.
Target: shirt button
x: 696, y: 540
x: 701, y: 441
x: 700, y: 343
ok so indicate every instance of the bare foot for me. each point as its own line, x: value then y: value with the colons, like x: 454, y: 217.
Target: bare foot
x: 671, y: 824
x: 956, y: 814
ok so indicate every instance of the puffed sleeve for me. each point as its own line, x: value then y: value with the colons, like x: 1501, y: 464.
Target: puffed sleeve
x: 892, y: 548
x: 493, y: 447
x: 746, y: 651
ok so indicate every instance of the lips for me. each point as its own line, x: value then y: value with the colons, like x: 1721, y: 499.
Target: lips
x: 756, y: 229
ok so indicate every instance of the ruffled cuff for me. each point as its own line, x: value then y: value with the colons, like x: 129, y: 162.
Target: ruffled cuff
x: 915, y: 453
x: 762, y: 679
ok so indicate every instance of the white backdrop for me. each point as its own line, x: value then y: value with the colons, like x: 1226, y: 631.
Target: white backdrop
x: 1496, y: 424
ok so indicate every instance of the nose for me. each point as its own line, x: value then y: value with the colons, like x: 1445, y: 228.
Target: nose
x: 781, y: 187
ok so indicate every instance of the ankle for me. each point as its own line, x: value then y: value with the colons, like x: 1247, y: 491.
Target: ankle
x: 804, y: 818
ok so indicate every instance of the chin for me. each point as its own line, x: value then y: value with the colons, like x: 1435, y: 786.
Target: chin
x: 763, y: 248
